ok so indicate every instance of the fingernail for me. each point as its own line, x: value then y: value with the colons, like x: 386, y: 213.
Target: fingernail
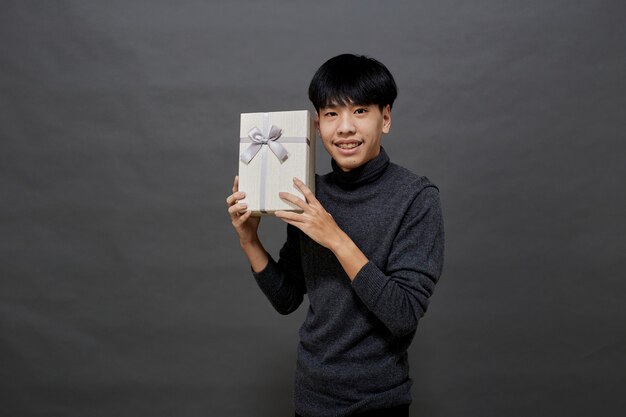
x: 244, y: 205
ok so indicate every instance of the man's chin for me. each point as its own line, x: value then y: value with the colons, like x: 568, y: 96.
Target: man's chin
x: 347, y: 164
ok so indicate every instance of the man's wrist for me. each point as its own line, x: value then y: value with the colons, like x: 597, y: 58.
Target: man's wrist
x: 349, y: 255
x: 250, y: 242
x: 340, y: 243
x: 256, y: 254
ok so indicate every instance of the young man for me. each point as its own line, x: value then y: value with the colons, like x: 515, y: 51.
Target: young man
x: 367, y: 250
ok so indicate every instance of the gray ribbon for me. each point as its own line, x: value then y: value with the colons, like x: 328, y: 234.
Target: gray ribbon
x: 259, y: 139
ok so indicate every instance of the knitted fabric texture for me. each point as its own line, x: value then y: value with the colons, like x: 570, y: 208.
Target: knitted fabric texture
x: 352, y: 355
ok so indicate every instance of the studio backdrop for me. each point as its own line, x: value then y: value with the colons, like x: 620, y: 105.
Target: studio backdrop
x: 123, y: 291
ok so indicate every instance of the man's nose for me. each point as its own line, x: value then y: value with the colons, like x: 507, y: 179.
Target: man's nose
x: 346, y: 125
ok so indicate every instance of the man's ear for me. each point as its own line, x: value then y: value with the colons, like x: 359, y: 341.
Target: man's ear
x: 386, y: 118
x: 316, y: 119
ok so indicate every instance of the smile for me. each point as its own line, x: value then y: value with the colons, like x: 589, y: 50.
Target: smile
x: 348, y: 145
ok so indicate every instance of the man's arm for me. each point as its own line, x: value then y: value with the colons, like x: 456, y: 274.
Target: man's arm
x: 246, y: 227
x: 281, y: 282
x: 398, y: 297
x: 320, y: 226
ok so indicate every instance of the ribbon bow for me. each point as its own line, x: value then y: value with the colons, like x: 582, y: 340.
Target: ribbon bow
x: 258, y: 140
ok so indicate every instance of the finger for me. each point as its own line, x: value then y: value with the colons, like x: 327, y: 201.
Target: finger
x: 244, y: 217
x: 233, y: 198
x: 293, y: 199
x: 289, y: 216
x: 237, y: 209
x: 306, y: 191
x: 236, y: 184
x: 285, y: 216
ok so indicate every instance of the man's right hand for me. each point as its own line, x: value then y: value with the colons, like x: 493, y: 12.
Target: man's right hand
x: 245, y: 225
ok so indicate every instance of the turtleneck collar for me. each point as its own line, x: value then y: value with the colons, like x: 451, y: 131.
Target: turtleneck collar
x: 368, y: 172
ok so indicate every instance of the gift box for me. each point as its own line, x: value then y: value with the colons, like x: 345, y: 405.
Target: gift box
x: 274, y: 148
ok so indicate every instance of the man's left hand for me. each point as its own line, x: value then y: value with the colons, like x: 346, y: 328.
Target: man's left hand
x: 314, y: 221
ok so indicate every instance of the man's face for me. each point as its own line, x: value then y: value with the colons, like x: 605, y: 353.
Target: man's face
x: 351, y: 133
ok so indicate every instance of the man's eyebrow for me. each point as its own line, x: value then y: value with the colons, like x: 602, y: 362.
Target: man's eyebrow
x: 348, y: 104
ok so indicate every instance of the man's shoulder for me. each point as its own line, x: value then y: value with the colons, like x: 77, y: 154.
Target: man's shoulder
x: 409, y: 180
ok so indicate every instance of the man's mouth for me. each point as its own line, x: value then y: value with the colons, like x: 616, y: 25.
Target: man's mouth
x: 347, y: 145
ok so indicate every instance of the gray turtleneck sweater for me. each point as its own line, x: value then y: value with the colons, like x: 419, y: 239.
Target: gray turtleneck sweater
x: 352, y: 355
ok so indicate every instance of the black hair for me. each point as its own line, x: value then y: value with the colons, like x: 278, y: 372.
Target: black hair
x: 352, y: 79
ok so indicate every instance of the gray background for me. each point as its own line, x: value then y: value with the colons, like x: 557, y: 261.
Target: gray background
x: 123, y: 291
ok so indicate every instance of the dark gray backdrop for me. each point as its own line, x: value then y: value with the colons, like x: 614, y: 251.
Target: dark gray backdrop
x: 123, y: 291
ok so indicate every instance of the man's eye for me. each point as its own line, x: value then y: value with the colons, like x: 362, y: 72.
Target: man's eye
x: 360, y: 111
x: 330, y: 113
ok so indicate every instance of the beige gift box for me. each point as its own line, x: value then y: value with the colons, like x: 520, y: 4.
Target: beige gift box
x: 274, y: 148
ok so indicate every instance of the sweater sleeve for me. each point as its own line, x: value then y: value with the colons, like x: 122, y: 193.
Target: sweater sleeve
x: 282, y: 282
x: 399, y: 295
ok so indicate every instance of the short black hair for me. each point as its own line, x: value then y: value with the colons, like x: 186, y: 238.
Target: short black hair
x: 352, y: 79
